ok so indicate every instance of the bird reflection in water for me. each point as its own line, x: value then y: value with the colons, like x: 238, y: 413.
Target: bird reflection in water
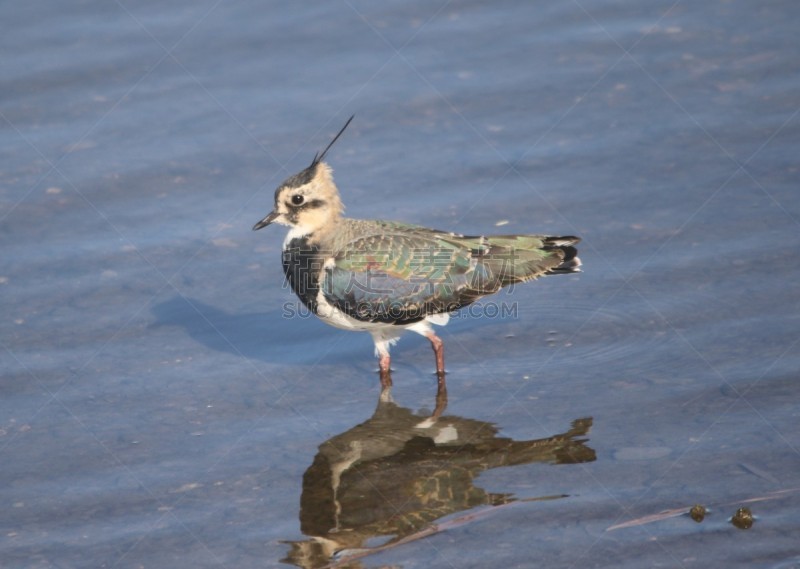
x: 386, y: 481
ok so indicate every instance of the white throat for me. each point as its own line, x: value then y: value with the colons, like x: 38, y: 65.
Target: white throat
x: 295, y: 233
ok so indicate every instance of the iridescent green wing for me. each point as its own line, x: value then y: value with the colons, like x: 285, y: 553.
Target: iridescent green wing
x: 401, y: 275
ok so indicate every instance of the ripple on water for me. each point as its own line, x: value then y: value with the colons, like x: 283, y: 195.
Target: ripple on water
x: 601, y: 334
x: 793, y: 563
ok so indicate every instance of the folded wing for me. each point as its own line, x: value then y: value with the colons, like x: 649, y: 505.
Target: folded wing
x: 402, y: 276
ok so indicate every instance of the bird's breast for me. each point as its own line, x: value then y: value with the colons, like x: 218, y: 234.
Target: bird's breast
x: 302, y: 265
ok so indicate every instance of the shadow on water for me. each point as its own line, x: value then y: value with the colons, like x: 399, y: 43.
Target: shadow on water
x: 246, y: 334
x: 276, y: 336
x: 391, y: 480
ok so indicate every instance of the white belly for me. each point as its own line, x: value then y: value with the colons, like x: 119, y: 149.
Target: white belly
x: 384, y: 335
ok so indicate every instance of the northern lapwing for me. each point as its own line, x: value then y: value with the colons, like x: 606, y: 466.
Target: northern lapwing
x: 385, y: 277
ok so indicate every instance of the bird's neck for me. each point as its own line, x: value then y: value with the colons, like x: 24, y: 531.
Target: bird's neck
x: 315, y: 234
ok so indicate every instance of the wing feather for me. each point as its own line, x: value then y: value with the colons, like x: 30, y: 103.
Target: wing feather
x: 403, y: 273
x: 401, y: 277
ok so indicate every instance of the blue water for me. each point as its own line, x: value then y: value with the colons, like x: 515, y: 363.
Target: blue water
x: 159, y: 407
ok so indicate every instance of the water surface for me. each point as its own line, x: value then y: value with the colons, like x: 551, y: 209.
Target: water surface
x: 158, y: 408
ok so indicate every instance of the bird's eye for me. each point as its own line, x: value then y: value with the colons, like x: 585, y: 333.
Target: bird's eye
x: 297, y: 199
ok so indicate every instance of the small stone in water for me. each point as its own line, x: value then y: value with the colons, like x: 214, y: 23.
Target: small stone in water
x: 743, y: 518
x: 698, y: 513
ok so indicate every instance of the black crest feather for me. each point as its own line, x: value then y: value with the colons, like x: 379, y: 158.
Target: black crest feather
x: 319, y: 156
x: 307, y: 174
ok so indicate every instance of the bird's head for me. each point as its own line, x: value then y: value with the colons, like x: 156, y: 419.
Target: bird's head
x: 309, y: 200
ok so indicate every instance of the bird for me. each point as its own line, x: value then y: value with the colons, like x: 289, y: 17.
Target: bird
x: 387, y: 277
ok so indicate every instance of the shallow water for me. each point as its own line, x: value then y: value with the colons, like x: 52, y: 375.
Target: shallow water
x: 158, y: 407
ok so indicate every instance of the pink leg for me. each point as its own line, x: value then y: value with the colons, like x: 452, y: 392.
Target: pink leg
x: 386, y: 375
x: 438, y: 351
